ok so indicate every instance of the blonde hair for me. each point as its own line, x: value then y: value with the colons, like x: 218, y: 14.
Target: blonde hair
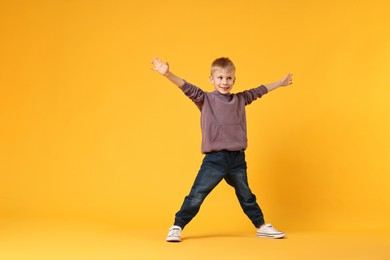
x: 222, y: 63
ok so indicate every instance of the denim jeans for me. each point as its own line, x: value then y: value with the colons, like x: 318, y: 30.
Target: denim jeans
x: 216, y: 166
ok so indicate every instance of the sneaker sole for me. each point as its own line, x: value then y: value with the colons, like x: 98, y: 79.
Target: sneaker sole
x: 173, y: 239
x: 271, y: 236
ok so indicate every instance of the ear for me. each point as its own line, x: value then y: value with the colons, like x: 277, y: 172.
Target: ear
x: 211, y: 80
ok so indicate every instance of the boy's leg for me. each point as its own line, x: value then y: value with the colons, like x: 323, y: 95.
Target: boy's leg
x: 212, y: 171
x: 237, y: 178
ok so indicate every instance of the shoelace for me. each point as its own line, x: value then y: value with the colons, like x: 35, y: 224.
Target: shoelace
x: 270, y: 228
x: 174, y: 232
x: 274, y: 229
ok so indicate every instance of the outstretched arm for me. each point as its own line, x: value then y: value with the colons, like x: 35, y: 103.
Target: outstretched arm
x: 163, y: 69
x: 281, y: 83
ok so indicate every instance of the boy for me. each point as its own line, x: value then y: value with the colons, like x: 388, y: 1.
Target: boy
x: 224, y: 140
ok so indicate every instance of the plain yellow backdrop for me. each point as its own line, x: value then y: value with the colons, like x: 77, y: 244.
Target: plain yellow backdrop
x: 89, y: 132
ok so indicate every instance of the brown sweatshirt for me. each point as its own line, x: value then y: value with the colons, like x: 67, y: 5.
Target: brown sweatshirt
x: 223, y: 118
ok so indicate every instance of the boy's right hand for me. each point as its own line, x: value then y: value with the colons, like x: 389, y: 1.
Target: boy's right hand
x: 159, y: 66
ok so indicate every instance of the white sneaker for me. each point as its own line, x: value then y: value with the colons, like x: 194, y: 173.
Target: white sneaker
x: 174, y: 234
x: 267, y: 230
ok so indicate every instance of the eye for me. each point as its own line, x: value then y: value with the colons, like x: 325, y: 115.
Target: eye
x: 220, y: 78
x: 229, y: 78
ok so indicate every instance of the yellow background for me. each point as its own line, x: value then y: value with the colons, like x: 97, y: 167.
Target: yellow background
x: 89, y: 133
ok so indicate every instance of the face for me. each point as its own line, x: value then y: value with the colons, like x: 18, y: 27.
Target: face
x: 223, y: 80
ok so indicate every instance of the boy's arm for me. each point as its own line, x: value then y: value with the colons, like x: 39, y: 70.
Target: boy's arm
x: 163, y: 69
x: 281, y: 83
x: 194, y: 93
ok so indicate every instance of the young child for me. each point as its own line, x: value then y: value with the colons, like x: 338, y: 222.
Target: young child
x: 224, y: 140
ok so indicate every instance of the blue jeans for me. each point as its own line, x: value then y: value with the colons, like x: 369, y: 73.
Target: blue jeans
x: 216, y: 166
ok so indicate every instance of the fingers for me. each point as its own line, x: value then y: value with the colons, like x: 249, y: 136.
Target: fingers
x: 156, y: 63
x: 289, y: 78
x: 160, y: 66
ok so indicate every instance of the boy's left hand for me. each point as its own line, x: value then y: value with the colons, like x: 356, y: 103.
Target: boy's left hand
x: 286, y: 80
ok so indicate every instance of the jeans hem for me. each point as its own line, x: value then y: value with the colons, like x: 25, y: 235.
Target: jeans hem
x: 258, y: 223
x: 179, y: 223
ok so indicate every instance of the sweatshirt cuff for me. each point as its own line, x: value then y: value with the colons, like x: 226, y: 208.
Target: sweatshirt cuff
x: 264, y: 89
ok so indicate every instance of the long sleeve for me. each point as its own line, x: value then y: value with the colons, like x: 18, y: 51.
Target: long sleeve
x: 194, y: 93
x: 253, y: 94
